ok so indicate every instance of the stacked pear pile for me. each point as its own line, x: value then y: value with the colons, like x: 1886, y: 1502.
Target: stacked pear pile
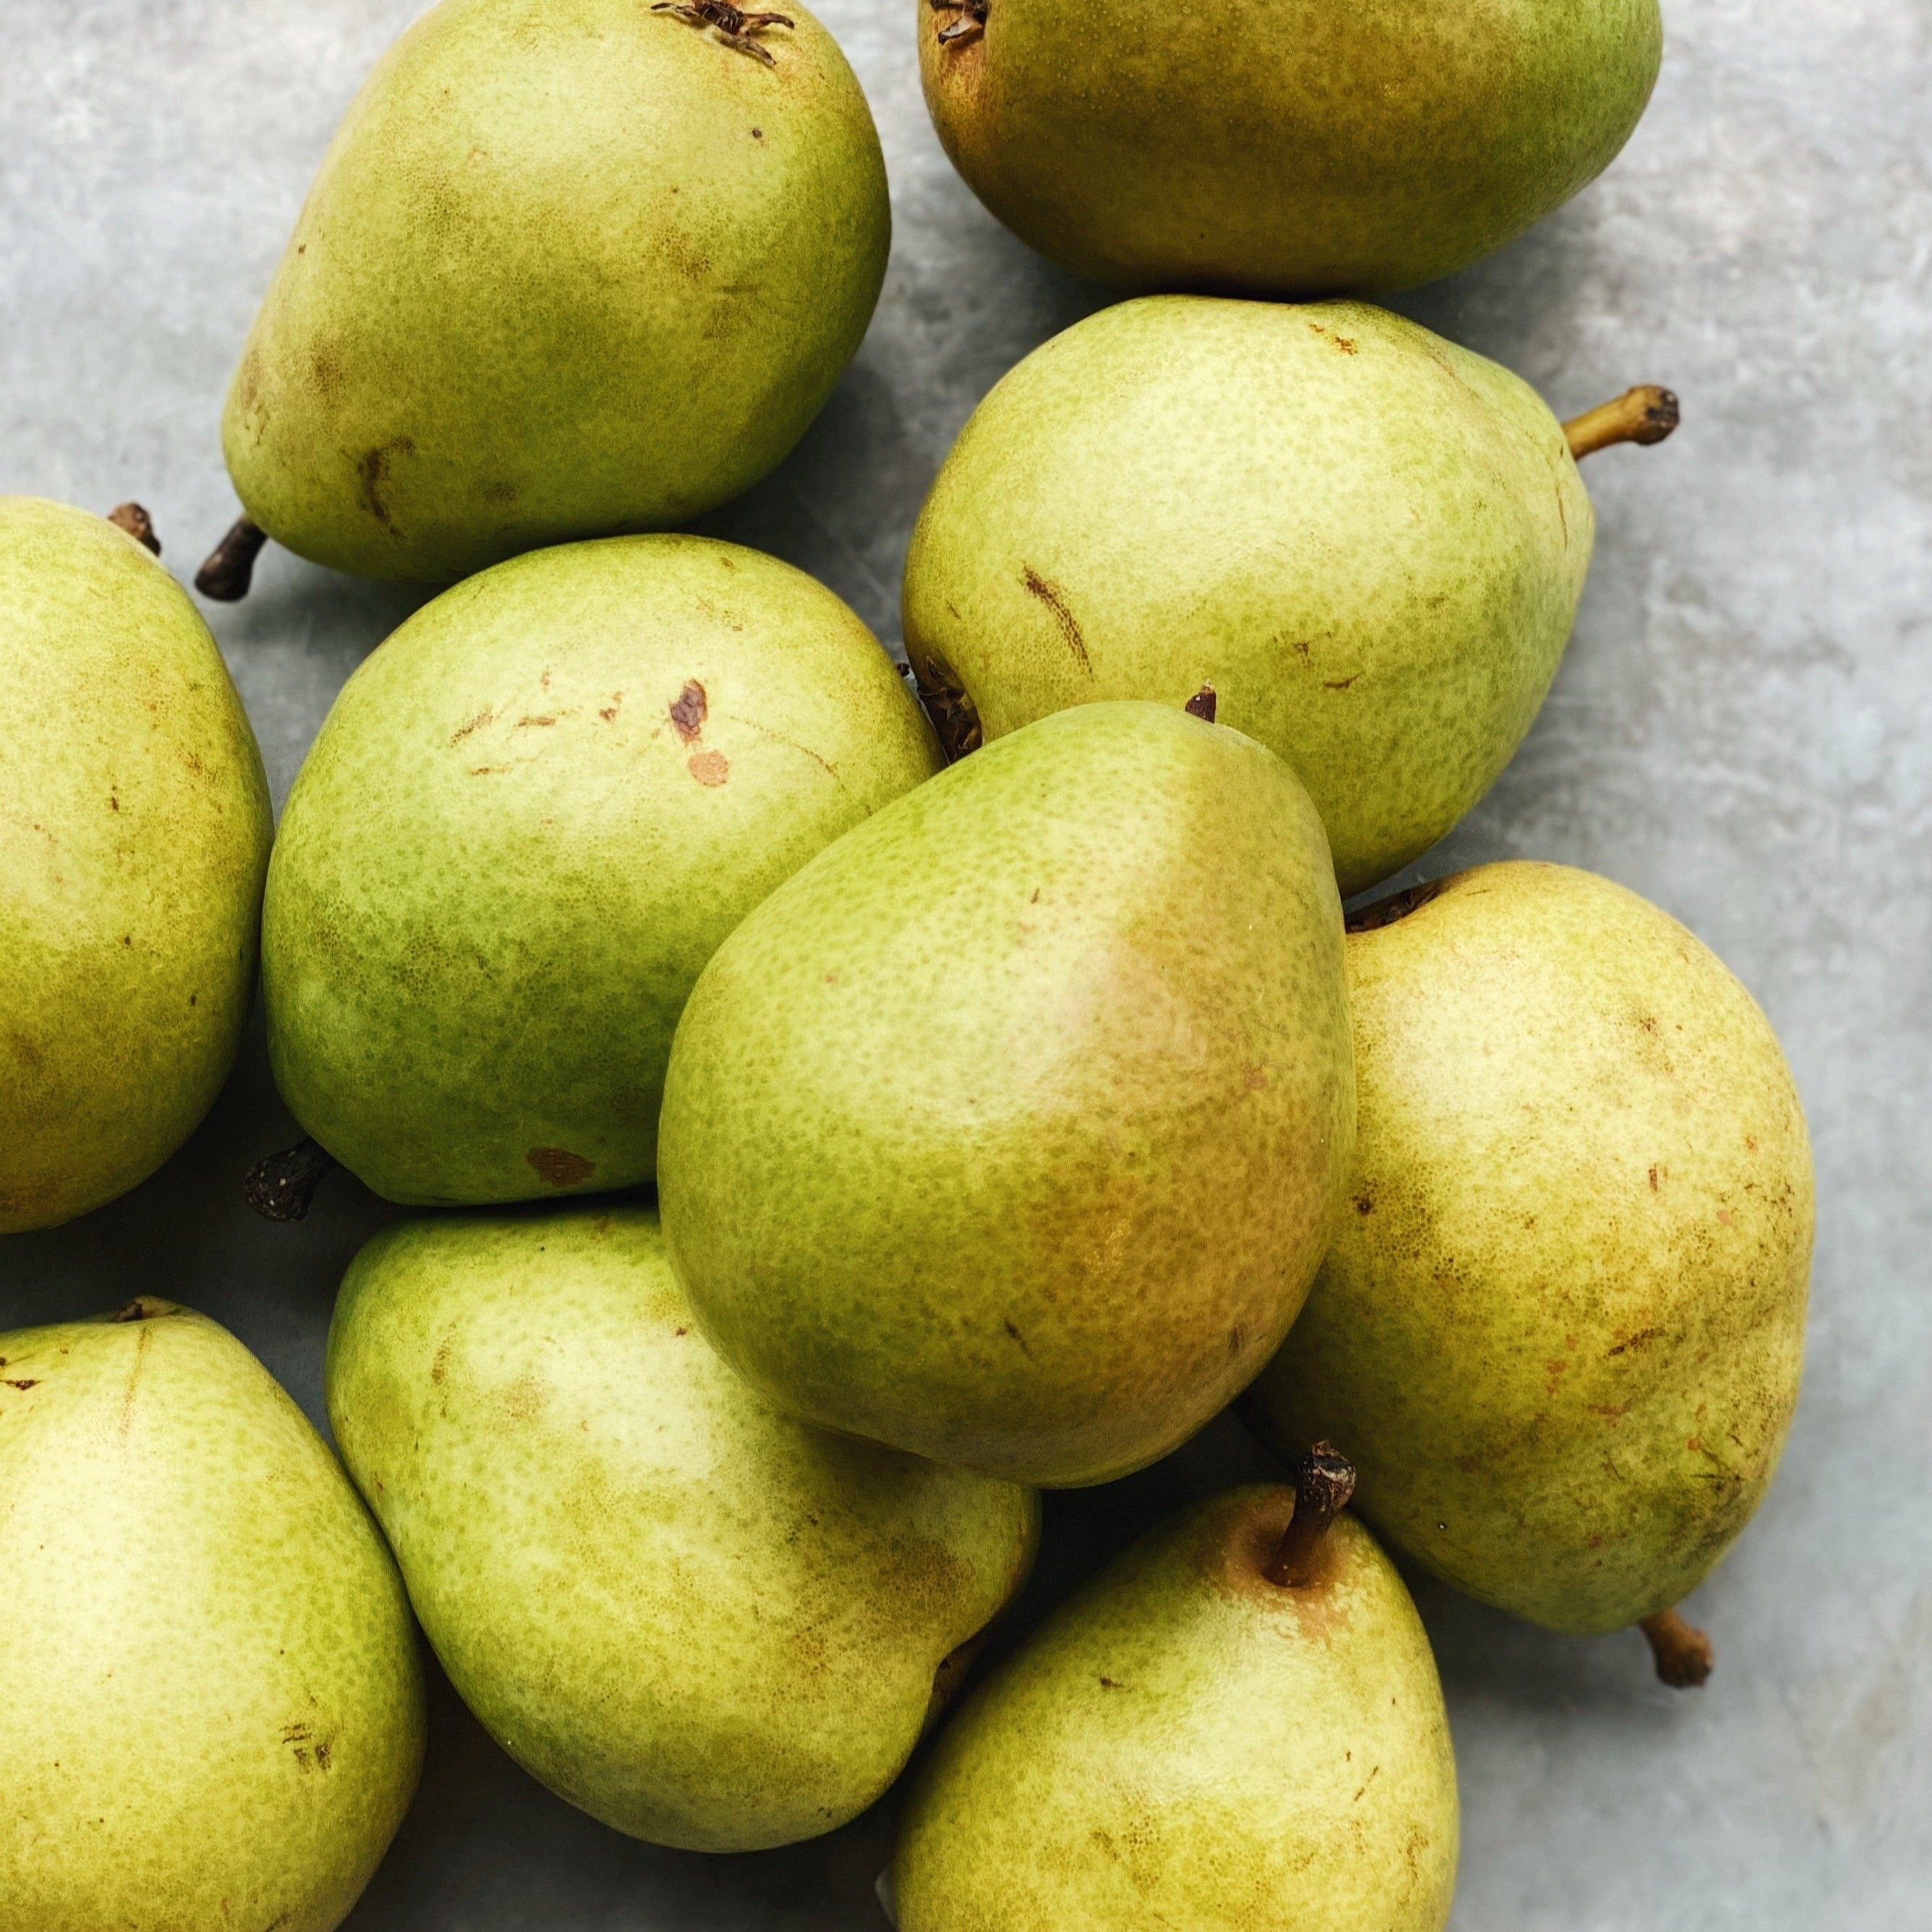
x: 973, y: 1096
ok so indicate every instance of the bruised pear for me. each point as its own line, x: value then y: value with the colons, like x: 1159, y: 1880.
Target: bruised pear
x: 1301, y: 148
x: 1560, y: 1330
x: 134, y: 833
x: 1238, y: 1724
x: 570, y: 267
x: 704, y: 1623
x: 1370, y: 542
x: 528, y: 820
x: 1010, y: 1131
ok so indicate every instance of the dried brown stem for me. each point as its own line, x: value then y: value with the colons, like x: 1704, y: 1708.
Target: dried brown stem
x: 138, y: 525
x: 1396, y: 906
x: 281, y: 1187
x: 1684, y: 1654
x: 1203, y: 704
x: 1324, y: 1479
x: 230, y: 567
x: 1645, y: 414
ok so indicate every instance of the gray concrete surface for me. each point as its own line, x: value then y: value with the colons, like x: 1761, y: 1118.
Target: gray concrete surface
x: 1742, y: 731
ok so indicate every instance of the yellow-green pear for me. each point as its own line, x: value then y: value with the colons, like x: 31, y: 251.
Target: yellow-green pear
x: 213, y: 1706
x: 134, y: 832
x: 1299, y: 147
x: 570, y: 267
x: 1010, y: 1131
x: 1238, y: 1725
x: 1560, y: 1330
x: 1369, y: 541
x: 707, y: 1624
x: 527, y: 822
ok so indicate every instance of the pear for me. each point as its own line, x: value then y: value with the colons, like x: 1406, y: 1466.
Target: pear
x: 529, y: 820
x: 1561, y: 1329
x: 571, y: 267
x: 703, y: 1623
x: 1237, y: 1724
x: 134, y: 821
x: 1011, y: 1130
x: 1301, y: 148
x: 214, y: 1715
x: 1370, y: 542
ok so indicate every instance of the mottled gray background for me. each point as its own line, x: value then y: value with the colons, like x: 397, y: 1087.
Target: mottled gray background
x: 1742, y: 731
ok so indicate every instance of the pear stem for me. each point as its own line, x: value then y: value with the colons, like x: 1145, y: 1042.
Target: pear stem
x: 1324, y: 1479
x: 1683, y: 1654
x: 1203, y: 704
x: 281, y: 1187
x: 1645, y: 414
x: 230, y: 568
x: 138, y: 525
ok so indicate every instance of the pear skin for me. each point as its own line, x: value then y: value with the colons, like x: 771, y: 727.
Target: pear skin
x: 214, y: 1713
x: 1561, y: 1329
x: 134, y: 819
x: 705, y: 1624
x: 1193, y: 1744
x: 1370, y: 542
x: 570, y: 267
x: 528, y: 820
x: 1011, y: 1130
x: 1302, y: 148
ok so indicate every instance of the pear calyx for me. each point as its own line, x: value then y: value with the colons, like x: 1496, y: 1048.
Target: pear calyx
x: 1684, y: 1654
x: 954, y: 717
x: 138, y: 525
x: 1395, y: 906
x: 1645, y: 414
x: 282, y: 1186
x: 1324, y: 1479
x: 145, y: 1308
x: 1203, y: 704
x: 735, y: 27
x: 967, y: 24
x: 230, y: 567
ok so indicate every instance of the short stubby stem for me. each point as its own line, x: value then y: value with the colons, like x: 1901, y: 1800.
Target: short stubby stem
x: 1324, y: 1479
x: 230, y: 568
x: 1683, y: 1653
x: 282, y: 1187
x: 1645, y: 414
x: 138, y: 525
x: 1203, y: 704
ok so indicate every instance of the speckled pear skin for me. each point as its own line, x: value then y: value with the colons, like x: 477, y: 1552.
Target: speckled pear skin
x: 705, y: 1624
x: 212, y: 1712
x: 1011, y: 1130
x: 1369, y: 541
x: 1284, y: 147
x: 528, y: 821
x: 1560, y: 1330
x: 570, y: 267
x: 134, y: 832
x: 1187, y: 1744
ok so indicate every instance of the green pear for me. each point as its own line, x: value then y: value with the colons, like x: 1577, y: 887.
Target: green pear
x: 1011, y: 1130
x: 1369, y: 541
x: 1238, y: 1724
x: 528, y: 821
x: 214, y: 1708
x: 703, y: 1623
x: 571, y: 267
x: 134, y: 821
x: 1560, y: 1330
x: 1297, y: 148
